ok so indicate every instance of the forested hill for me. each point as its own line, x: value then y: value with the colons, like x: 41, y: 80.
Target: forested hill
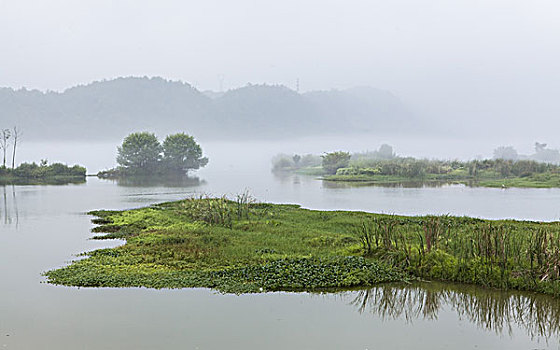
x: 111, y: 109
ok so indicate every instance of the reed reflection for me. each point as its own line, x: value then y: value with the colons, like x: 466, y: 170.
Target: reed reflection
x: 493, y: 310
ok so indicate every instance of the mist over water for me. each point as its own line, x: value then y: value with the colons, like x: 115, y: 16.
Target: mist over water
x: 245, y: 154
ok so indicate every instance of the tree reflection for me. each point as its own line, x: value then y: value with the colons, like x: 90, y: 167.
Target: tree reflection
x: 498, y: 311
x: 403, y: 184
x: 10, y: 212
x: 157, y: 181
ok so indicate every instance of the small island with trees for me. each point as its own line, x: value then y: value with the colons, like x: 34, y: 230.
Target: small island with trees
x: 383, y: 167
x: 143, y: 155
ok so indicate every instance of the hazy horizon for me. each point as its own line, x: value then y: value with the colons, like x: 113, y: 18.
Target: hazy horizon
x: 493, y: 63
x: 172, y: 80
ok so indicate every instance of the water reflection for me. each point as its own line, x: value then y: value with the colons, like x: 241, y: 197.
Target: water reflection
x: 405, y: 184
x: 493, y: 310
x: 49, y: 181
x: 10, y: 212
x: 158, y: 181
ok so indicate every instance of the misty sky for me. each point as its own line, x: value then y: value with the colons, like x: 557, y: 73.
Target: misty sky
x: 485, y: 60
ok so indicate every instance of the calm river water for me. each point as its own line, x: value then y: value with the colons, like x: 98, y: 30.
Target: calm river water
x: 43, y: 227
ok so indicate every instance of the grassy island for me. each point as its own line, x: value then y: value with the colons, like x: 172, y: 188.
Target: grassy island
x: 384, y: 167
x: 537, y: 181
x: 239, y: 246
x: 43, y: 173
x: 484, y: 173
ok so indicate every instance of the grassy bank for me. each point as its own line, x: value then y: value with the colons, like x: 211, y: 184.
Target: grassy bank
x: 51, y: 180
x: 43, y: 173
x: 487, y: 173
x: 238, y: 246
x: 533, y: 181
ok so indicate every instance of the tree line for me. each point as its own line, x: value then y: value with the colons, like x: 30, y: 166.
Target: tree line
x: 384, y: 161
x: 542, y: 154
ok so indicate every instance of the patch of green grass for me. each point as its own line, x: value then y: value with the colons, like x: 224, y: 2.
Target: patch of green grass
x: 485, y: 179
x: 268, y: 247
x: 241, y: 246
x: 546, y: 180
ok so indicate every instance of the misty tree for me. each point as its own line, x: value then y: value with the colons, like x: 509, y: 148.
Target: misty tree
x: 310, y: 160
x: 335, y: 160
x: 506, y: 153
x: 139, y: 153
x: 181, y: 153
x: 546, y: 155
x: 282, y: 162
x: 386, y: 152
x: 4, y: 138
x: 16, y: 134
x: 539, y: 147
x: 296, y: 158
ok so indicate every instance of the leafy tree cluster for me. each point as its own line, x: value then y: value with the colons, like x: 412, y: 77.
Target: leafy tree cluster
x: 335, y: 160
x: 141, y: 153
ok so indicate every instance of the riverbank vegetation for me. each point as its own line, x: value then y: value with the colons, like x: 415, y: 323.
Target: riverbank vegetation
x: 384, y: 166
x: 486, y: 173
x: 43, y: 172
x: 243, y: 246
x: 141, y: 154
x: 307, y: 164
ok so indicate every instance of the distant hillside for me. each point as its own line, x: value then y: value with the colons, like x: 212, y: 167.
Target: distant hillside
x: 111, y: 109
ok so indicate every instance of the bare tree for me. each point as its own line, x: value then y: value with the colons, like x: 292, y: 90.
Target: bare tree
x: 16, y: 134
x: 4, y: 137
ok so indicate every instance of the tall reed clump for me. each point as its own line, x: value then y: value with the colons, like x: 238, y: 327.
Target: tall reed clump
x: 383, y: 238
x: 219, y: 211
x: 506, y: 254
x: 243, y: 202
x: 377, y: 233
x: 213, y: 211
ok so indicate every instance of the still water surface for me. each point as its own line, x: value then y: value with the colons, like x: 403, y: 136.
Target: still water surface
x: 43, y: 227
